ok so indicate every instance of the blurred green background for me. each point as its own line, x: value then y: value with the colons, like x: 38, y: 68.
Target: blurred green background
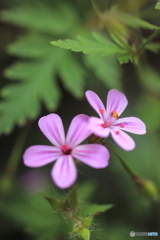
x: 38, y: 78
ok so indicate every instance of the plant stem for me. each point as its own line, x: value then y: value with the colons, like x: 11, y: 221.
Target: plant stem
x: 95, y: 7
x: 12, y: 164
x: 129, y: 170
x: 149, y: 40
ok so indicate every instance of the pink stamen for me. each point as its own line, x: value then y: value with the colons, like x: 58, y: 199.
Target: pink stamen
x: 117, y: 132
x: 66, y: 150
x: 122, y: 125
x: 101, y: 110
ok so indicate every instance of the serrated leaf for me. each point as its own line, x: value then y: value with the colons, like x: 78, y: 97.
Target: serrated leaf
x: 95, y: 208
x: 157, y: 5
x: 43, y: 18
x: 91, y: 44
x: 22, y: 101
x: 124, y: 58
x: 106, y: 69
x: 31, y: 46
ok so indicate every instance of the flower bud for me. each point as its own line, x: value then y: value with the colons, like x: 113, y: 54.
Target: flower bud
x: 87, y: 221
x: 72, y: 199
x: 84, y: 233
x: 148, y: 188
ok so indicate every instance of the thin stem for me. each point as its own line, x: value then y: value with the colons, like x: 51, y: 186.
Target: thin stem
x: 121, y: 40
x: 149, y: 40
x: 12, y: 164
x: 129, y: 170
x: 95, y: 7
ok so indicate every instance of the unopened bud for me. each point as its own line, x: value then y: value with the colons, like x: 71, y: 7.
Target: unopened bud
x: 87, y: 221
x: 57, y: 204
x: 72, y: 199
x: 84, y: 233
x: 147, y: 187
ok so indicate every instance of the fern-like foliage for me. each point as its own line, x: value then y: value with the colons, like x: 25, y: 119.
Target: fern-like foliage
x: 34, y: 76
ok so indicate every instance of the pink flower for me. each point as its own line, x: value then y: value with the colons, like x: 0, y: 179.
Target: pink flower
x: 65, y: 150
x: 108, y: 123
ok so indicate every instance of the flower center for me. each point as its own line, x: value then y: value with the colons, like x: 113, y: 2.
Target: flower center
x: 114, y: 114
x: 66, y: 150
x: 104, y: 125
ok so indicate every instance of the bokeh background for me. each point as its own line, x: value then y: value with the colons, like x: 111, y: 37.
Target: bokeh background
x: 37, y: 78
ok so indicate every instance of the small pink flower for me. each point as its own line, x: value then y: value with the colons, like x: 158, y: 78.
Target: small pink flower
x: 108, y: 123
x: 65, y: 150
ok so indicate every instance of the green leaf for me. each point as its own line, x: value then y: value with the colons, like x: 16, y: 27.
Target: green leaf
x: 30, y: 46
x: 94, y: 43
x: 22, y: 100
x: 72, y: 75
x: 57, y: 204
x: 157, y: 5
x: 106, y: 69
x: 72, y: 199
x: 153, y: 47
x: 42, y: 18
x: 135, y: 22
x: 125, y: 58
x: 95, y: 208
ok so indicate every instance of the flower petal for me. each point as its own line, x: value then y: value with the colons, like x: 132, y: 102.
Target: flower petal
x: 96, y: 126
x: 52, y: 127
x: 40, y: 155
x: 64, y: 172
x: 94, y: 155
x: 116, y: 101
x: 123, y: 140
x: 131, y: 124
x: 96, y: 103
x: 78, y: 131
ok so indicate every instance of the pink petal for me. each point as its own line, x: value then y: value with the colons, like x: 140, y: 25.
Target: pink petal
x: 96, y: 126
x: 94, y: 155
x: 78, y: 131
x: 40, y: 155
x: 131, y: 124
x: 52, y: 127
x: 123, y: 140
x: 64, y: 172
x: 95, y: 102
x: 116, y: 101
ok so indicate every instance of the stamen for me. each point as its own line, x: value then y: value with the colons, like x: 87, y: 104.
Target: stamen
x: 114, y: 114
x: 66, y: 150
x: 101, y: 110
x: 122, y: 125
x: 117, y: 132
x: 104, y: 125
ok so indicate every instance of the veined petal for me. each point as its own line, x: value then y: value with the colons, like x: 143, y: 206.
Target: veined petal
x: 96, y: 126
x: 116, y: 102
x: 40, y: 155
x: 52, y: 127
x: 64, y: 172
x: 96, y: 103
x: 94, y: 155
x: 123, y: 140
x: 131, y: 124
x: 78, y: 131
